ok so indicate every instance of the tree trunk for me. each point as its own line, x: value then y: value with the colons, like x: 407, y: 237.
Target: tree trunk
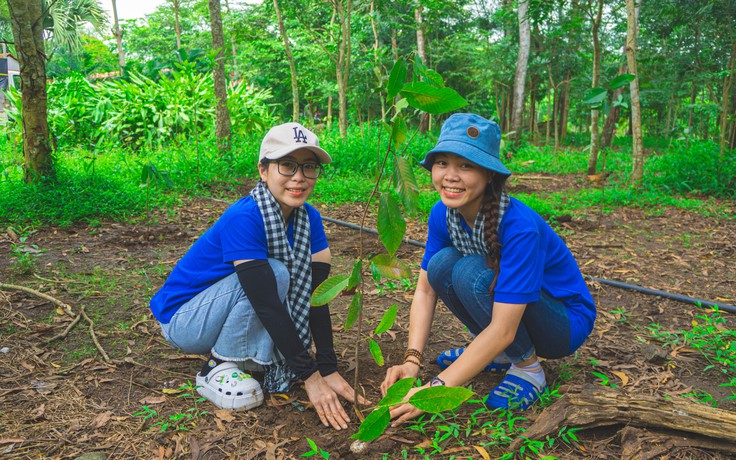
x: 292, y: 65
x: 564, y: 108
x: 609, y: 127
x: 726, y: 99
x: 422, y: 54
x: 118, y: 37
x: 177, y: 27
x: 329, y: 112
x: 378, y: 71
x: 595, y: 113
x: 522, y: 63
x: 342, y: 9
x: 632, y: 13
x: 25, y: 18
x: 222, y: 114
x: 233, y: 49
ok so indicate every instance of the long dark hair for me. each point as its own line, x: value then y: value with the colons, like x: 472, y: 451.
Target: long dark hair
x: 490, y: 210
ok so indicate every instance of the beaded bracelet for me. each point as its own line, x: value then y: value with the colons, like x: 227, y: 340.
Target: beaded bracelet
x: 415, y: 353
x: 407, y: 360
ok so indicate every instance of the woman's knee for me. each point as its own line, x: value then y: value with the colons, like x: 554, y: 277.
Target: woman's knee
x: 440, y: 267
x: 472, y: 274
x: 283, y: 277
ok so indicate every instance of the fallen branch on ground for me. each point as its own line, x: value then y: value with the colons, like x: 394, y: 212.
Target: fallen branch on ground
x: 67, y: 310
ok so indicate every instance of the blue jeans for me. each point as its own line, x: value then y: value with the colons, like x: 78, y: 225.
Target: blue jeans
x: 463, y: 285
x: 221, y: 320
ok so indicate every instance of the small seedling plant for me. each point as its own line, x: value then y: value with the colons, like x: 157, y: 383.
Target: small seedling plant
x: 316, y: 450
x: 24, y: 253
x: 180, y: 421
x: 425, y: 92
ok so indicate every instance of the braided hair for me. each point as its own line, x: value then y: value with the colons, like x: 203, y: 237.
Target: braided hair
x: 490, y: 210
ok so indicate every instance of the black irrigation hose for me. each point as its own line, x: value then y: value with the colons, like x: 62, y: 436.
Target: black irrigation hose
x: 618, y: 284
x: 681, y: 298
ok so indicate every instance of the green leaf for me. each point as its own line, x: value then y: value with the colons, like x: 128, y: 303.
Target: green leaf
x: 328, y: 290
x: 390, y: 224
x: 440, y: 398
x: 405, y: 183
x: 356, y: 305
x: 423, y: 96
x: 434, y: 78
x: 594, y: 96
x: 355, y: 275
x: 621, y: 80
x: 374, y: 425
x: 420, y: 70
x: 376, y: 352
x: 396, y: 79
x: 387, y: 321
x: 397, y: 392
x: 391, y: 267
x: 401, y: 104
x: 398, y: 132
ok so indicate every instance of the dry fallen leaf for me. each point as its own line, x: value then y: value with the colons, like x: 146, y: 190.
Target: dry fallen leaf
x: 224, y: 415
x: 483, y: 453
x: 150, y: 400
x: 624, y: 378
x: 102, y: 419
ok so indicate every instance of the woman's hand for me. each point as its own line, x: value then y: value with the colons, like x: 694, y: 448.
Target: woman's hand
x: 396, y: 373
x: 325, y: 401
x: 406, y: 411
x: 343, y: 388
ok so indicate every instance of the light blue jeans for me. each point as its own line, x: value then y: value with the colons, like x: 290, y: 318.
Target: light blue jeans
x: 463, y: 282
x: 221, y: 320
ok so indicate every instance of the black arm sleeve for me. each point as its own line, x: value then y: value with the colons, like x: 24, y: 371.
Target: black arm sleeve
x: 259, y: 284
x: 321, y: 325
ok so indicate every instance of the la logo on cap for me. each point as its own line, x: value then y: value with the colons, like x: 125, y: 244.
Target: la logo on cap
x: 299, y: 136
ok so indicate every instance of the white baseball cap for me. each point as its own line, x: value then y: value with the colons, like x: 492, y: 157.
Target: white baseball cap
x: 283, y: 139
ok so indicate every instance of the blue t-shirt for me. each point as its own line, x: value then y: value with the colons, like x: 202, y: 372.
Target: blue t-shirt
x: 533, y: 258
x: 239, y: 234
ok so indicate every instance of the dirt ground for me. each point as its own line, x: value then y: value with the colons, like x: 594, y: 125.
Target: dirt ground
x: 62, y: 395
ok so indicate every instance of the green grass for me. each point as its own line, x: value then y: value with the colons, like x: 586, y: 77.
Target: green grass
x: 126, y: 185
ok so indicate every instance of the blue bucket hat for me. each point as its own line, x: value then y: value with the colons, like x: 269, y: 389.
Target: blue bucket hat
x: 471, y: 137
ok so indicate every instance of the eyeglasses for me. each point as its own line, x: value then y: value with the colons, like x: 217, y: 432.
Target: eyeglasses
x: 310, y: 170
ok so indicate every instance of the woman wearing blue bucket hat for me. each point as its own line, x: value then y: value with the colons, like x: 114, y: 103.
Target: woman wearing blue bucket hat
x: 501, y: 270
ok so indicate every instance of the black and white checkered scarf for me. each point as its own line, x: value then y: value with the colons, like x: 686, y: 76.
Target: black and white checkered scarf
x: 298, y: 260
x: 475, y: 243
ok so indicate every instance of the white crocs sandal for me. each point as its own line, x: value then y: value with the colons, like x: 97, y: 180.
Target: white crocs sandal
x: 227, y: 387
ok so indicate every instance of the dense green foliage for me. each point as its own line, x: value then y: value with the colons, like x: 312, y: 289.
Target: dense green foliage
x: 118, y: 183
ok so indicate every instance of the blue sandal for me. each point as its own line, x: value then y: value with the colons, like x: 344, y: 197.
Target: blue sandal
x: 516, y: 391
x: 450, y: 356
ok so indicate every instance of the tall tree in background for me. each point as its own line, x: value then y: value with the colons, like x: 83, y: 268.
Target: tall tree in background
x: 343, y: 10
x: 27, y: 24
x: 63, y: 20
x: 177, y: 26
x: 222, y: 114
x: 118, y: 37
x: 522, y: 63
x: 292, y: 64
x: 596, y: 15
x: 637, y: 149
x: 422, y: 54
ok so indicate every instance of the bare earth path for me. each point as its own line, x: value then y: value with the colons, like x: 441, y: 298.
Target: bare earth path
x: 63, y: 399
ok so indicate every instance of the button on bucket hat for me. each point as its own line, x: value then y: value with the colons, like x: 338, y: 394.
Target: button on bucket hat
x: 471, y: 137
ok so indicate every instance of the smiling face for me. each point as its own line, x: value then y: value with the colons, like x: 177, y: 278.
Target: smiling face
x: 460, y: 184
x: 290, y: 191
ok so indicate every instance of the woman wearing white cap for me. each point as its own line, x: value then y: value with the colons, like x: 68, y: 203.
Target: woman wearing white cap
x: 241, y: 293
x: 501, y: 270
